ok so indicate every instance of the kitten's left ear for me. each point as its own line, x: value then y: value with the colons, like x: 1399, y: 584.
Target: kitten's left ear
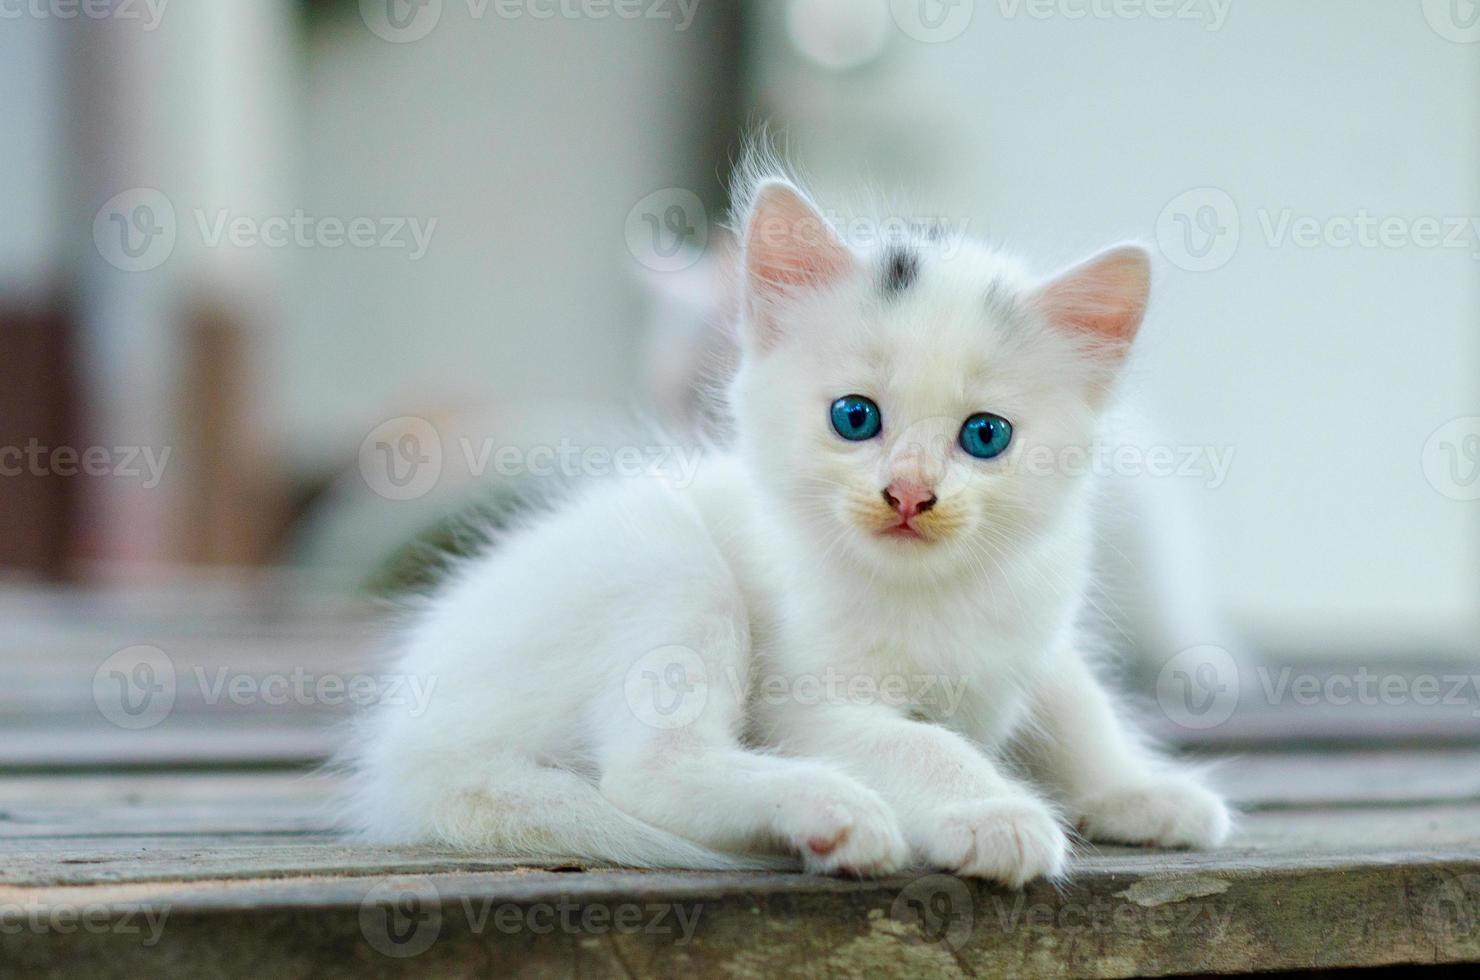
x: 789, y: 246
x: 1104, y: 297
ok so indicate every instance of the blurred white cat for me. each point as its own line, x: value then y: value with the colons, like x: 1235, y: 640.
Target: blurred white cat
x: 829, y: 642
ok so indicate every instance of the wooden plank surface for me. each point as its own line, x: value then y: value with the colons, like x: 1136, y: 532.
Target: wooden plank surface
x: 203, y: 843
x: 1119, y: 915
x: 245, y: 863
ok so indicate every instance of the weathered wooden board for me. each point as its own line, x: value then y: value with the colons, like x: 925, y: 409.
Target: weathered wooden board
x: 201, y: 844
x: 1140, y: 920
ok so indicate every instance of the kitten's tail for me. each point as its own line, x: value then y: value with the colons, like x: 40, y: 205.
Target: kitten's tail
x: 523, y: 810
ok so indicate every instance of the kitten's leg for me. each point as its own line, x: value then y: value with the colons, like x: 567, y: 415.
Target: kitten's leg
x: 1115, y: 788
x: 697, y: 781
x: 958, y: 809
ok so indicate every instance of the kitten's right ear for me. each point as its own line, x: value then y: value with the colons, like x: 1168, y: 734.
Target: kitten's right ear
x: 788, y: 246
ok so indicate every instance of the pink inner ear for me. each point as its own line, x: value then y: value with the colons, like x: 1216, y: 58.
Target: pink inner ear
x: 1105, y: 296
x: 788, y: 243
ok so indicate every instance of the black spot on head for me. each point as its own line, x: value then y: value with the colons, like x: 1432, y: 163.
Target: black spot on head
x: 901, y: 266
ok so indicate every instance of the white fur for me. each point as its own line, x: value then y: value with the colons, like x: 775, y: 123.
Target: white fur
x: 788, y: 616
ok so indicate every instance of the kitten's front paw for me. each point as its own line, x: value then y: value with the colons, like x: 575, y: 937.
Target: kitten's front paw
x: 842, y: 829
x: 1170, y: 812
x: 1011, y: 840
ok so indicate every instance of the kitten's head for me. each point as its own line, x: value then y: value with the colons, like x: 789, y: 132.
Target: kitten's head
x: 914, y: 406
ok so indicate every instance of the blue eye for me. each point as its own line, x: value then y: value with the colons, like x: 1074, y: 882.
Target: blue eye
x: 986, y: 435
x: 856, y: 418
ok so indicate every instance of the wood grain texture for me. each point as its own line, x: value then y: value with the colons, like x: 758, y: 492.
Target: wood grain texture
x: 204, y: 844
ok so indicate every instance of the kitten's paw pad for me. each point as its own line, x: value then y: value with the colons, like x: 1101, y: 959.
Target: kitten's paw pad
x: 848, y: 833
x: 1011, y: 841
x: 1166, y: 813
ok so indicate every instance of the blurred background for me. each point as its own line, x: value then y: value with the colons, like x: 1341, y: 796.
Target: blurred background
x: 269, y: 269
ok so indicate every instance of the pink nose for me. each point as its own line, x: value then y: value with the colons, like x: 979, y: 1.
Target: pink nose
x: 909, y: 498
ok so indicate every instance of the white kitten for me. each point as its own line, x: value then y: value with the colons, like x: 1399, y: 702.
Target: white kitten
x: 827, y: 643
